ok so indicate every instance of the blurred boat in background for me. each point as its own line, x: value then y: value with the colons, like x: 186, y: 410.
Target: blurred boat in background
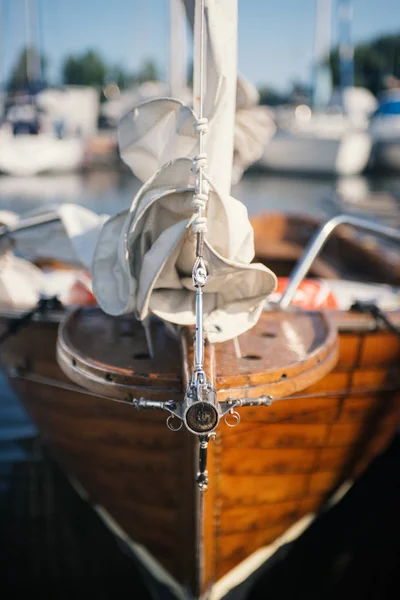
x: 320, y: 143
x: 385, y: 132
x: 329, y: 136
x: 34, y: 141
x: 42, y: 129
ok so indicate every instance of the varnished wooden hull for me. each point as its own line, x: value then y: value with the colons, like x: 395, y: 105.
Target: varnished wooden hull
x: 280, y: 463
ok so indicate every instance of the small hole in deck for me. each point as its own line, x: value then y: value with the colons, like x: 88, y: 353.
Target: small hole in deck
x: 141, y: 356
x: 73, y: 362
x: 283, y: 376
x: 252, y: 357
x: 108, y: 377
x: 268, y: 334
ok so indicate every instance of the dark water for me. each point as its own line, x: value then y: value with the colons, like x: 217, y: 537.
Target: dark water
x: 50, y: 541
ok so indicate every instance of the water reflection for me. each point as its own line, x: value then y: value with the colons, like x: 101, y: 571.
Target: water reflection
x: 101, y: 191
x: 108, y: 191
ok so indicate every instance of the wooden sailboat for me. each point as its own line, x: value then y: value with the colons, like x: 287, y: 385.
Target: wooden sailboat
x: 315, y: 409
x: 281, y: 463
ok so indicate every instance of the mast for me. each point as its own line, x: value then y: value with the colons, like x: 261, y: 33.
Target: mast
x: 33, y: 59
x: 219, y: 85
x: 177, y: 48
x: 322, y: 86
x: 346, y: 48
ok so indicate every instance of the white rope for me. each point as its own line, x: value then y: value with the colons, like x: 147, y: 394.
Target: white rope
x: 200, y: 225
x: 201, y: 125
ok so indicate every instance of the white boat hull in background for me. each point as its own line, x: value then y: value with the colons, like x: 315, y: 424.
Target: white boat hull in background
x: 384, y: 129
x: 386, y: 154
x: 385, y: 132
x: 27, y: 155
x: 291, y: 153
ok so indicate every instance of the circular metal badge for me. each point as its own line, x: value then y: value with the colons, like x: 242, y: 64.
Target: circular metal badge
x: 201, y: 417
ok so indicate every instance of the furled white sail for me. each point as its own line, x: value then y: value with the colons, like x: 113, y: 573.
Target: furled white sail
x: 144, y: 258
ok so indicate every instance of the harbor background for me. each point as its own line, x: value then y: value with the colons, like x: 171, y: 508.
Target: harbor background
x: 53, y: 542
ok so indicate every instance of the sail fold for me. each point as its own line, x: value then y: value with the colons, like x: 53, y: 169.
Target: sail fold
x: 144, y: 257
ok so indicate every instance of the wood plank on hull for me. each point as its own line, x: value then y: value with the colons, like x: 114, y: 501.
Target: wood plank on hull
x: 275, y: 435
x: 359, y: 409
x: 240, y: 519
x: 378, y: 349
x: 344, y: 434
x: 106, y: 453
x: 261, y: 461
x: 349, y: 349
x: 330, y: 384
x: 331, y: 458
x: 99, y: 420
x: 294, y: 410
x: 248, y: 490
x: 235, y: 547
x: 376, y: 378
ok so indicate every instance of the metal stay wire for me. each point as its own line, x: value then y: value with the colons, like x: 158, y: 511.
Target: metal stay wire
x: 199, y: 273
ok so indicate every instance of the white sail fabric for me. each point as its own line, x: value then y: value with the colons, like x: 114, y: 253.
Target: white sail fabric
x: 71, y: 240
x: 21, y: 283
x: 144, y: 258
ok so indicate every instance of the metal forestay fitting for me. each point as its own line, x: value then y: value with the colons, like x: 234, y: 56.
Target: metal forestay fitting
x: 200, y: 412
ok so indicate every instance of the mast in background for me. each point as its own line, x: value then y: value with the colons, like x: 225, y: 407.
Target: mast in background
x: 322, y: 80
x: 33, y: 50
x: 177, y: 49
x: 346, y: 47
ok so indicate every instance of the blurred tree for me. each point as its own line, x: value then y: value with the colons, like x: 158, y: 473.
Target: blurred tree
x: 300, y: 92
x: 28, y: 71
x: 85, y: 69
x: 122, y: 78
x: 149, y: 71
x: 373, y: 62
x: 270, y: 96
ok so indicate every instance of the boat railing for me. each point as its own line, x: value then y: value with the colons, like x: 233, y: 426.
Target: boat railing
x: 317, y: 243
x: 311, y: 252
x: 29, y: 223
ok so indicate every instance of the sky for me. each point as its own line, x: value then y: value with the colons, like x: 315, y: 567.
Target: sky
x: 276, y: 37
